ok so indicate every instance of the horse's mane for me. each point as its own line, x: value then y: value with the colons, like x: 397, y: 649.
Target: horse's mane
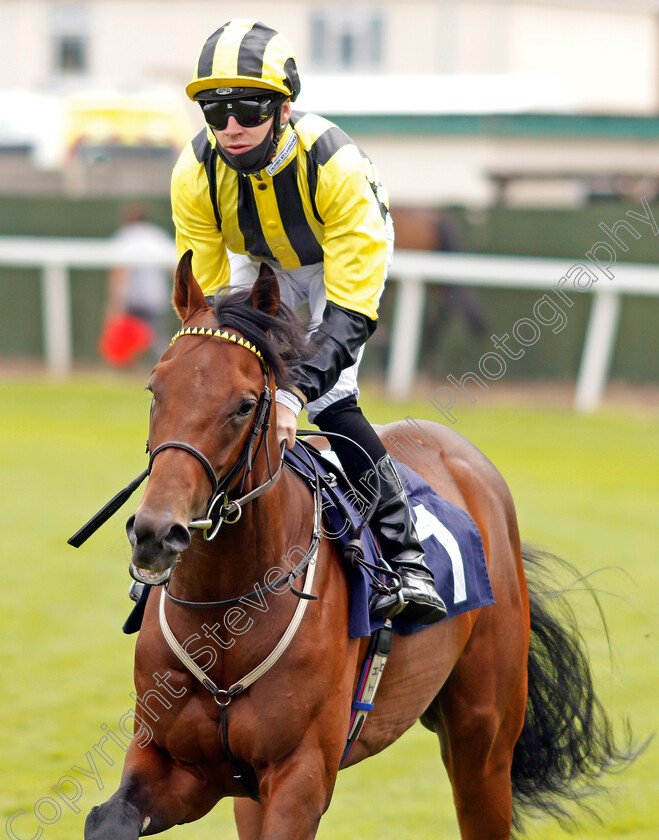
x: 281, y: 339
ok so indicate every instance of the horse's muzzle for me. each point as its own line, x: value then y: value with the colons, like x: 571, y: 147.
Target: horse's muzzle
x: 156, y: 547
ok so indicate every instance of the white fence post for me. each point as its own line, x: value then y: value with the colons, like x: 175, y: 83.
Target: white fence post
x: 56, y: 318
x: 405, y: 336
x: 598, y: 350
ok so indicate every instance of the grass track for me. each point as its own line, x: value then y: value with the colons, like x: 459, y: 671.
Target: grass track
x: 585, y: 487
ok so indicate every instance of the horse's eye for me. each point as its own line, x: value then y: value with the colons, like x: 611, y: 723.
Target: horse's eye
x: 245, y: 408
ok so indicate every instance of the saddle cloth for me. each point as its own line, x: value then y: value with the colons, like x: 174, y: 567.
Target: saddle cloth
x: 453, y: 545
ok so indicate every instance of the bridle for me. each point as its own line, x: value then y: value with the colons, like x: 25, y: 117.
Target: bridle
x: 219, y: 504
x: 230, y: 510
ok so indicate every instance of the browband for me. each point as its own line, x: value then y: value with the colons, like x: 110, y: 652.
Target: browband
x: 227, y: 336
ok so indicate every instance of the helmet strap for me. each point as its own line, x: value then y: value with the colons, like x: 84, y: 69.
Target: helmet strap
x: 249, y: 163
x: 278, y: 128
x: 253, y: 161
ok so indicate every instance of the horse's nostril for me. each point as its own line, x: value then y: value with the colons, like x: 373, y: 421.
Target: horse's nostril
x: 177, y: 539
x: 130, y: 529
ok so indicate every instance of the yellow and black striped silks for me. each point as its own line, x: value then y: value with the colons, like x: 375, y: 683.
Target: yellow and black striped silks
x: 319, y: 200
x: 246, y: 53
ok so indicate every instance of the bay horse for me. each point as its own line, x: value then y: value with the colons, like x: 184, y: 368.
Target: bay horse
x: 507, y: 688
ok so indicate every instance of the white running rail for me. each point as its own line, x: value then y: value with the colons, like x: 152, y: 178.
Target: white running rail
x: 411, y: 270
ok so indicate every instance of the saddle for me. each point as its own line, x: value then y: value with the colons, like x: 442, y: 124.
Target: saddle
x: 453, y: 546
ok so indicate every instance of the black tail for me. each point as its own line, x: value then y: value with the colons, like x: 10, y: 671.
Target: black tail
x: 568, y: 741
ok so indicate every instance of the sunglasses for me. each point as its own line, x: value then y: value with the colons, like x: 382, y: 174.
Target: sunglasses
x: 247, y: 112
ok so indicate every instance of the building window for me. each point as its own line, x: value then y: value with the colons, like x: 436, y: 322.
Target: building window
x: 348, y: 38
x: 69, y: 27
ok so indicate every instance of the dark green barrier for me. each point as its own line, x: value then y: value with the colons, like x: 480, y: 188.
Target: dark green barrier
x: 447, y: 346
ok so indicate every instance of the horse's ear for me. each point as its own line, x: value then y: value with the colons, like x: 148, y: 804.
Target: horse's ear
x: 188, y: 297
x: 265, y: 292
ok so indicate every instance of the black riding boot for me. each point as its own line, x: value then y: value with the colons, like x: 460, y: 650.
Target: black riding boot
x: 394, y: 528
x: 392, y: 521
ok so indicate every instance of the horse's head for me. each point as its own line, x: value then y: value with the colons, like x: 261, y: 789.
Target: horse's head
x: 210, y: 428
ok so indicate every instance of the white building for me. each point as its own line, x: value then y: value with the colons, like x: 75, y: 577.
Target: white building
x: 602, y: 53
x: 408, y: 66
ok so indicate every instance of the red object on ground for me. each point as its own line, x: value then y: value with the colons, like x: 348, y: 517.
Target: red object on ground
x: 124, y: 338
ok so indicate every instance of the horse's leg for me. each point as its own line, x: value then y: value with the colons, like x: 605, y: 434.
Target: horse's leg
x: 478, y: 716
x: 296, y: 792
x: 248, y: 819
x: 294, y: 797
x: 154, y: 795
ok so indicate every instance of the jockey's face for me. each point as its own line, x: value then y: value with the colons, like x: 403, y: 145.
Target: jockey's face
x: 238, y: 139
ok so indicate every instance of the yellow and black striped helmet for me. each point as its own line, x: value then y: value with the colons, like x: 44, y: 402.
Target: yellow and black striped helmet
x: 246, y: 53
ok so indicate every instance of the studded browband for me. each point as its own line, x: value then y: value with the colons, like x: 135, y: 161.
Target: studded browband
x: 227, y: 336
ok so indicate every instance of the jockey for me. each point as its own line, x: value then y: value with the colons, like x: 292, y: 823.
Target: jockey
x: 262, y: 182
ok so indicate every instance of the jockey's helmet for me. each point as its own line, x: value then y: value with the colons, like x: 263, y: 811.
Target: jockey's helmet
x: 245, y: 54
